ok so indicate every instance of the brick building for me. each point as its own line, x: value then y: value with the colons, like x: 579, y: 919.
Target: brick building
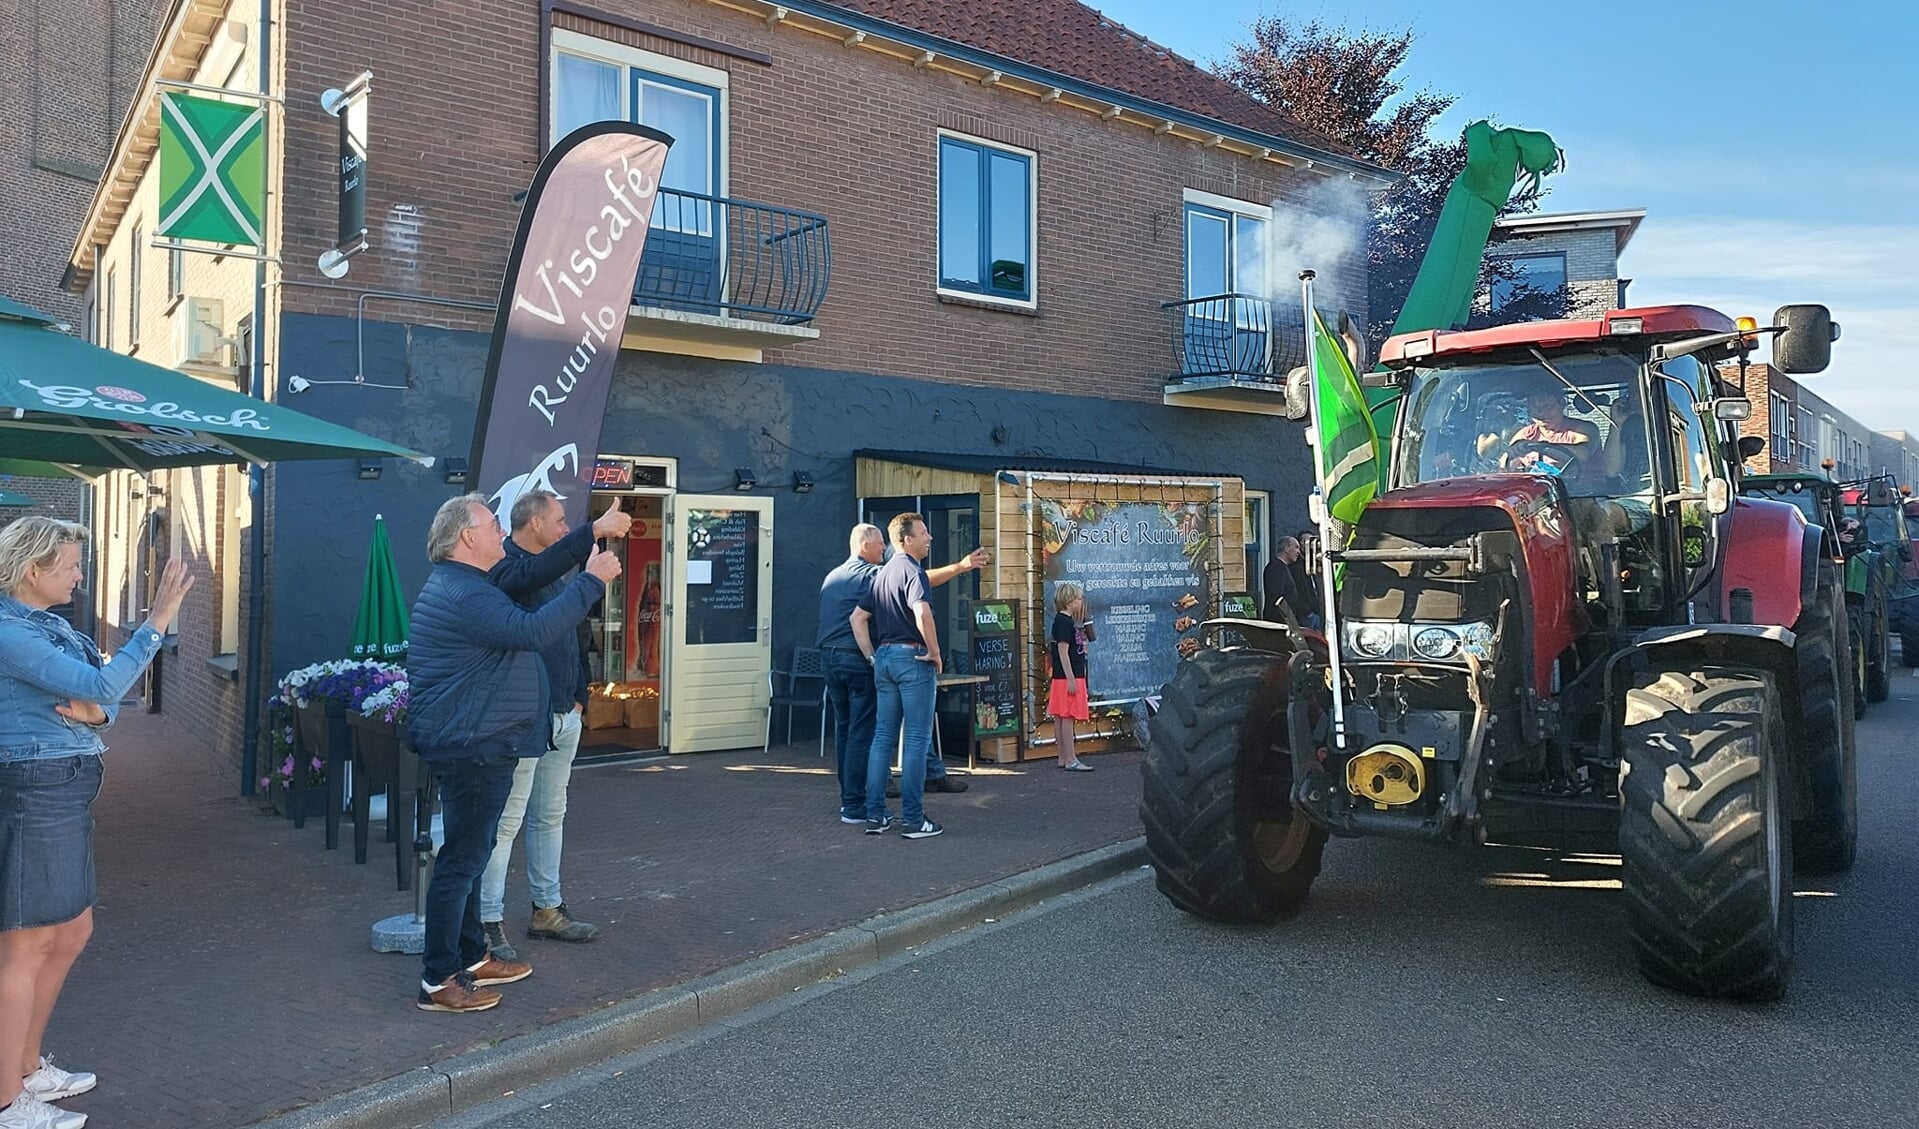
x: 1577, y: 250
x: 1802, y: 429
x: 67, y: 73
x: 1053, y: 246
x: 1895, y: 453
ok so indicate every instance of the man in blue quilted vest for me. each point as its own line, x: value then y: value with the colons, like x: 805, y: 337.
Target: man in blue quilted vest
x: 478, y: 703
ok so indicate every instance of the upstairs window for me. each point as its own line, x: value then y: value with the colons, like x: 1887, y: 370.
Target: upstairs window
x: 597, y: 81
x: 986, y: 212
x: 1530, y: 275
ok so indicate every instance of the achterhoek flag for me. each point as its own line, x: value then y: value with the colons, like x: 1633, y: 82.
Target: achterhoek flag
x: 1348, y: 449
x: 562, y: 314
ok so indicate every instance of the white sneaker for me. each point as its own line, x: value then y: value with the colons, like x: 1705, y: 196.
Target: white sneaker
x: 29, y: 1112
x: 50, y: 1083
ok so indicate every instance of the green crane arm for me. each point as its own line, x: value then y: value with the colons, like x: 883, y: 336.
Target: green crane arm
x: 1442, y: 292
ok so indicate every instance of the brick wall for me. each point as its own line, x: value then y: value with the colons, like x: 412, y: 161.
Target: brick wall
x: 68, y: 68
x: 848, y: 133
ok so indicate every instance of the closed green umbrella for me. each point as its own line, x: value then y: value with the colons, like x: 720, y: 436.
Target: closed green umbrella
x: 8, y: 498
x: 63, y: 400
x: 380, y: 629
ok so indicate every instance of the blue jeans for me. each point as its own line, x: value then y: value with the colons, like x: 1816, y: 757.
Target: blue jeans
x: 538, y: 799
x: 472, y: 793
x: 904, y: 688
x: 849, y: 685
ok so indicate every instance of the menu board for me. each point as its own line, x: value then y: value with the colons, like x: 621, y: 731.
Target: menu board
x: 995, y: 654
x: 1145, y: 569
x: 722, y: 576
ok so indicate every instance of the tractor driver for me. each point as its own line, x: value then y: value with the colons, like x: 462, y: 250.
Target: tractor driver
x: 1550, y: 442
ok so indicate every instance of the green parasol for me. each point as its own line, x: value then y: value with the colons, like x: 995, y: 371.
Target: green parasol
x: 380, y: 629
x: 63, y: 400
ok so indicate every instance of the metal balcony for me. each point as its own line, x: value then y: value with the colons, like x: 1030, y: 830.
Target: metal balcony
x: 729, y: 274
x: 1232, y: 352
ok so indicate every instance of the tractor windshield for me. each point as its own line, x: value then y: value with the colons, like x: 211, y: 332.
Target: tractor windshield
x: 1582, y: 420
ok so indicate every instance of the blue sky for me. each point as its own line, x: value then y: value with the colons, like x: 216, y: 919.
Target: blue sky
x: 1774, y: 146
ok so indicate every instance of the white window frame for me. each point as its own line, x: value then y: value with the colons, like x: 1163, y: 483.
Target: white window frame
x: 1032, y: 223
x: 567, y: 42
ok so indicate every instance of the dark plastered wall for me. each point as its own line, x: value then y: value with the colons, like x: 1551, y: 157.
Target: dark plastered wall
x: 713, y: 416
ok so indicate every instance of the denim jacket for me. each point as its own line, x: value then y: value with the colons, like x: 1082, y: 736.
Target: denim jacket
x: 46, y: 663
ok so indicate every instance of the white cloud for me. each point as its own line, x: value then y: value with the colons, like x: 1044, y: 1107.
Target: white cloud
x: 1862, y: 271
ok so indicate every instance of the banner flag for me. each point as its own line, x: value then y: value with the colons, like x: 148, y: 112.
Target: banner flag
x: 212, y: 170
x: 1348, y: 450
x: 563, y: 304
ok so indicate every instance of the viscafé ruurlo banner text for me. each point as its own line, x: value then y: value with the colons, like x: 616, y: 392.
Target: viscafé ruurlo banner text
x: 562, y: 315
x: 1145, y: 567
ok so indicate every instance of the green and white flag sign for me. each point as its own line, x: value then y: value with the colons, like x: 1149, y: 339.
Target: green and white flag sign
x: 212, y: 170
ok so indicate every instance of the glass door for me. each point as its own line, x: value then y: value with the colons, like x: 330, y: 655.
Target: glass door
x: 684, y: 257
x: 1225, y: 262
x: 719, y: 621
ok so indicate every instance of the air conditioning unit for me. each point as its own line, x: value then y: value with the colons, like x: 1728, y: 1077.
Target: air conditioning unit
x: 198, y: 334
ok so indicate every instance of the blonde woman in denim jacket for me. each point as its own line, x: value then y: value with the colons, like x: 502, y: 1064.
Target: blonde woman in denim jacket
x: 56, y: 693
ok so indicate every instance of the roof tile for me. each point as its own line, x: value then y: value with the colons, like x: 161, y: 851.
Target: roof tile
x: 1074, y: 40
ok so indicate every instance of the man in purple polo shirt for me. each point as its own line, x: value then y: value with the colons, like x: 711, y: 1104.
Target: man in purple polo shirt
x: 894, y: 628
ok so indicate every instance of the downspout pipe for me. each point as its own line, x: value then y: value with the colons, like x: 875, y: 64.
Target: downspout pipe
x: 253, y: 684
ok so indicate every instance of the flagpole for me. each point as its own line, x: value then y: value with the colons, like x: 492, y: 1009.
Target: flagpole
x: 1322, y: 515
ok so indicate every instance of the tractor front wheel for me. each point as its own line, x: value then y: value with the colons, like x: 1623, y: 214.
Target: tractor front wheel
x: 1878, y: 656
x: 1826, y: 822
x: 1221, y: 831
x: 1705, y: 844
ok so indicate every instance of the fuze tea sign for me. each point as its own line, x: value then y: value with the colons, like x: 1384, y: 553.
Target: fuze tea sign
x: 1145, y: 568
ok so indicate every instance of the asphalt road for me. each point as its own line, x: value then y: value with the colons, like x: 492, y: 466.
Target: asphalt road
x: 1420, y: 987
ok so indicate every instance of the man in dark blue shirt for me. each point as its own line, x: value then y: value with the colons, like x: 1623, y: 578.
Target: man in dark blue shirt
x: 849, y: 672
x: 894, y: 627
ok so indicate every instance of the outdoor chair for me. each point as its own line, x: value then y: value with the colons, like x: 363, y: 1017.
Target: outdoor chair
x: 802, y: 685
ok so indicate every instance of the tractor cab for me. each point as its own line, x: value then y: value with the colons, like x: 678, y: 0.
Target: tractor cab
x: 1621, y: 439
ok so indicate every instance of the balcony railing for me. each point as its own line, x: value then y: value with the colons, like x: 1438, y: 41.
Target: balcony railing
x: 1236, y: 336
x: 734, y: 259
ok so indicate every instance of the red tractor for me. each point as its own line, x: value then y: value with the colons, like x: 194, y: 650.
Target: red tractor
x: 1560, y: 624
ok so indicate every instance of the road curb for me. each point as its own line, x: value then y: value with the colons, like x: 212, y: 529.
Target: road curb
x: 477, y: 1077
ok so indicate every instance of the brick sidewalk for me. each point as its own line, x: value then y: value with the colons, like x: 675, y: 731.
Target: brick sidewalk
x: 229, y: 976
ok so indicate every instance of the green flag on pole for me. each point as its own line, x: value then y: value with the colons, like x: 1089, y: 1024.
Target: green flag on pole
x: 1348, y: 449
x: 212, y: 170
x: 381, y: 628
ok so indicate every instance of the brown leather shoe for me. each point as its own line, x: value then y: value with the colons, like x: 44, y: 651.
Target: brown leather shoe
x: 458, y: 992
x: 555, y: 924
x: 493, y: 970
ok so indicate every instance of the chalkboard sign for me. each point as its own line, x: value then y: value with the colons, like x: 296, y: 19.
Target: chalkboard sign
x: 722, y: 576
x: 996, y: 654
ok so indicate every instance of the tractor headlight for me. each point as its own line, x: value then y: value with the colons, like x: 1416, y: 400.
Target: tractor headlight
x: 1435, y: 643
x: 1476, y: 639
x: 1370, y: 640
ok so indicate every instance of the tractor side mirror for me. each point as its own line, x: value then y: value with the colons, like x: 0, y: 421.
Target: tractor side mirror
x: 1718, y: 495
x: 1806, y: 345
x: 1750, y: 446
x: 1732, y: 408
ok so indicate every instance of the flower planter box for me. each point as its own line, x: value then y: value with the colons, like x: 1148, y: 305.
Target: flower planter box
x: 312, y: 800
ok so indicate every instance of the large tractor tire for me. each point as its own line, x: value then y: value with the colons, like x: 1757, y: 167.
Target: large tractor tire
x: 1826, y: 824
x: 1221, y: 831
x: 1703, y: 835
x: 1856, y: 643
x: 1879, y: 654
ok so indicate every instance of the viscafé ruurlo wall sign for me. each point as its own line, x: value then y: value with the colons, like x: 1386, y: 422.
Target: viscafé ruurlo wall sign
x: 1145, y: 567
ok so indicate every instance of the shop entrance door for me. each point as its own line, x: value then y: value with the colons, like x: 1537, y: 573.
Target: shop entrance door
x: 719, y: 621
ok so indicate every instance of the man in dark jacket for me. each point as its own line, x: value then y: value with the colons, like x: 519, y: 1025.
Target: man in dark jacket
x: 540, y: 551
x: 477, y: 704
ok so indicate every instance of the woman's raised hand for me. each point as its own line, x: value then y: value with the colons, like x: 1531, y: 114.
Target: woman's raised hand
x: 175, y: 581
